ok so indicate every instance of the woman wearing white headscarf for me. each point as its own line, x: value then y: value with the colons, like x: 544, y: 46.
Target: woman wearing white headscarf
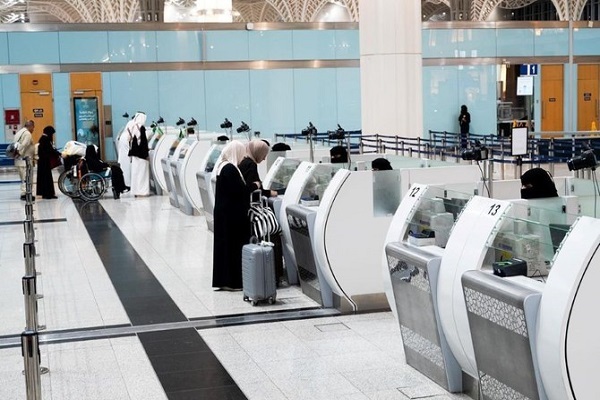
x: 140, y: 166
x: 232, y: 226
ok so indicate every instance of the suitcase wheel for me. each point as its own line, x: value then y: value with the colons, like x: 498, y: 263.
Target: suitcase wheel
x: 246, y: 298
x: 254, y: 302
x: 271, y: 300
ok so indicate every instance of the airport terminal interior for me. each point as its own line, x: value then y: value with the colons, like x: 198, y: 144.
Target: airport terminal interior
x: 430, y: 229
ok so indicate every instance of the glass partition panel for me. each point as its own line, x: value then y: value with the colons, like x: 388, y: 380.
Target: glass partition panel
x: 283, y: 174
x: 435, y: 215
x: 532, y: 231
x: 386, y: 192
x: 317, y: 182
x: 587, y: 194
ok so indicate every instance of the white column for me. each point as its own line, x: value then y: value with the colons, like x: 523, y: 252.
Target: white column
x: 390, y: 67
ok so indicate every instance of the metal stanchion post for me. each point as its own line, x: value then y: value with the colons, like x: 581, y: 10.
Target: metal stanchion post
x: 30, y: 295
x: 30, y: 349
x: 29, y: 255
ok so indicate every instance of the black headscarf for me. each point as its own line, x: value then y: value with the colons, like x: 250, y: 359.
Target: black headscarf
x: 381, y: 164
x: 94, y: 163
x: 541, y: 183
x: 49, y: 131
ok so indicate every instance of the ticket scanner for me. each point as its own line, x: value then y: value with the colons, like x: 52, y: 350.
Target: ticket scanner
x: 414, y: 247
x: 184, y: 169
x: 489, y: 231
x: 159, y: 146
x: 165, y: 163
x: 297, y: 215
x: 203, y: 180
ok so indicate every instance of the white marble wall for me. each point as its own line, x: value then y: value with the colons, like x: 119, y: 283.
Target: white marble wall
x: 391, y: 67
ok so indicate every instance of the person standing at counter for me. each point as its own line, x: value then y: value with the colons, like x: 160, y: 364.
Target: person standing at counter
x: 464, y: 122
x: 140, y: 166
x: 46, y: 150
x: 232, y: 226
x: 257, y: 151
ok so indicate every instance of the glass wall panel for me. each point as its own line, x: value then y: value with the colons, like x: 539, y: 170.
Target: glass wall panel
x: 272, y: 95
x: 182, y: 95
x: 315, y: 98
x: 134, y: 91
x: 439, y: 43
x: 63, y: 120
x: 33, y: 48
x: 226, y: 45
x: 227, y: 96
x: 585, y: 42
x: 515, y: 42
x: 551, y: 42
x: 348, y: 98
x: 270, y: 45
x: 3, y: 48
x: 347, y: 45
x: 126, y: 47
x: 477, y: 90
x: 314, y: 45
x: 178, y: 46
x: 440, y: 99
x: 11, y: 92
x: 476, y: 42
x: 83, y: 47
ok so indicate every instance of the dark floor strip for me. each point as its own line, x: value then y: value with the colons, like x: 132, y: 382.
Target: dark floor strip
x: 35, y: 221
x: 182, y: 360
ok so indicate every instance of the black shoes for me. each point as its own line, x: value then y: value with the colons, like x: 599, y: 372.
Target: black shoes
x: 23, y: 197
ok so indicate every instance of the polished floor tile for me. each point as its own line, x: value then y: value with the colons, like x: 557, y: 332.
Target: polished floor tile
x: 94, y: 279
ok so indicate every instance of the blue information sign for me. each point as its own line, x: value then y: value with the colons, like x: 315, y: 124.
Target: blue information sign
x: 528, y: 69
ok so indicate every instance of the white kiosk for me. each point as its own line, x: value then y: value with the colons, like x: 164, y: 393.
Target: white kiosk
x: 165, y: 163
x: 203, y: 181
x: 183, y: 171
x: 159, y: 146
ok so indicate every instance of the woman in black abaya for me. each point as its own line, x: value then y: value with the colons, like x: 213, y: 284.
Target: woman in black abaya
x: 46, y: 150
x: 232, y: 225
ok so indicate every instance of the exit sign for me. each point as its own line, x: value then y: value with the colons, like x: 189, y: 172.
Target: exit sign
x: 528, y: 69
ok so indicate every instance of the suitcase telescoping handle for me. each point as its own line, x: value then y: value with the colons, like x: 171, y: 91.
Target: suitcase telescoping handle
x: 262, y: 201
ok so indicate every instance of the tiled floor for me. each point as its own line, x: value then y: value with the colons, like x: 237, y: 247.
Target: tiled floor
x: 93, y: 275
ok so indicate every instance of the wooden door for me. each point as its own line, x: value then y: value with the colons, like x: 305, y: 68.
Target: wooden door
x: 587, y: 97
x: 552, y: 99
x: 36, y: 101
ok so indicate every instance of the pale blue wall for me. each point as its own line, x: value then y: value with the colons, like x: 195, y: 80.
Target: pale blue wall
x: 270, y: 101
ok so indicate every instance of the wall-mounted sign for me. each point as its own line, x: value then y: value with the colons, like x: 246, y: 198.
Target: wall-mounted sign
x: 85, y: 111
x: 38, y: 113
x: 587, y: 97
x: 525, y: 86
x: 552, y: 99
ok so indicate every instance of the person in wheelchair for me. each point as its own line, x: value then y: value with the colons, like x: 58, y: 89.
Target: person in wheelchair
x: 95, y: 164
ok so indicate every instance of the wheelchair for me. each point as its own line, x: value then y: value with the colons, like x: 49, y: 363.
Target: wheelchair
x: 76, y: 182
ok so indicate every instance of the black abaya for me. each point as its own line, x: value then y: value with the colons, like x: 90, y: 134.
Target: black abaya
x: 45, y: 182
x: 232, y: 227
